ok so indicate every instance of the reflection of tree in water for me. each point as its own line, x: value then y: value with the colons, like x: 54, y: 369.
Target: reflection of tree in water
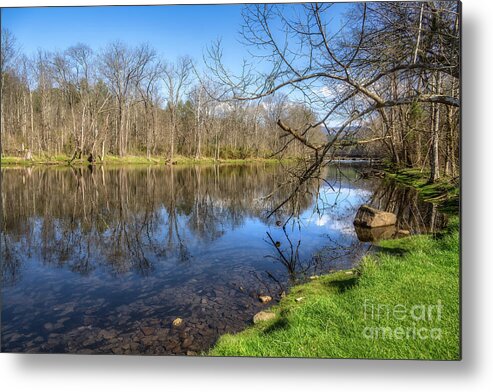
x: 288, y: 255
x: 127, y: 219
x: 11, y: 261
x: 131, y: 219
x: 412, y: 213
x: 337, y: 252
x: 336, y: 203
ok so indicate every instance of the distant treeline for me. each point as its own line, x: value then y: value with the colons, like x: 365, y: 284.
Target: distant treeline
x: 127, y: 100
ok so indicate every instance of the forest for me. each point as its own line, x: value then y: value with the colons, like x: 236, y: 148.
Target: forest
x: 386, y: 84
x: 126, y: 100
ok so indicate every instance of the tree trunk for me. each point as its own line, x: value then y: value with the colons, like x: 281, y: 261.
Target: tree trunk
x: 435, y: 137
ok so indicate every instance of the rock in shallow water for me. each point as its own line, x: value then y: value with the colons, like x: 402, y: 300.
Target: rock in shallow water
x: 177, y: 322
x: 263, y: 316
x: 371, y: 217
x: 147, y: 331
x: 264, y: 298
x: 108, y: 335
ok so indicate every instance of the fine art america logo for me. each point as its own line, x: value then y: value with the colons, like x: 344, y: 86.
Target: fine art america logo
x: 400, y: 321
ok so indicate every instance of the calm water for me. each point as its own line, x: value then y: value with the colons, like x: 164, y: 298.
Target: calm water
x: 103, y: 260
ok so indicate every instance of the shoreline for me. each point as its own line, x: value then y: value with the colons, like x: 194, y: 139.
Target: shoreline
x: 333, y: 316
x: 113, y: 160
x: 63, y: 160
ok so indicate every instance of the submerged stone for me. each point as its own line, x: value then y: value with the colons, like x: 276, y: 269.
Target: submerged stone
x: 108, y: 335
x: 177, y: 322
x: 374, y: 234
x: 148, y: 330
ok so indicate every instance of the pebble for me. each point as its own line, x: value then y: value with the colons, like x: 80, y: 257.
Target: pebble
x: 264, y: 298
x: 177, y: 322
x: 107, y: 334
x: 187, y: 342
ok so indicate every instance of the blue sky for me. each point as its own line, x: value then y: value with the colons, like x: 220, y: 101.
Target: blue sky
x: 172, y: 30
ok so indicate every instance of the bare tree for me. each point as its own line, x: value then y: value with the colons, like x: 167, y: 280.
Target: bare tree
x: 345, y: 75
x: 123, y: 68
x: 8, y: 52
x: 176, y: 78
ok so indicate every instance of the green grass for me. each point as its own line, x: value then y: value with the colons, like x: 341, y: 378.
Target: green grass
x: 128, y: 160
x: 37, y: 160
x: 350, y: 314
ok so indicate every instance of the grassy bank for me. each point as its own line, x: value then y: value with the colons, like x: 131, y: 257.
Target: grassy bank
x: 401, y: 302
x: 445, y: 192
x: 129, y: 160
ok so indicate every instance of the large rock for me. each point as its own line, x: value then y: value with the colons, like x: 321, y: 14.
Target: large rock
x: 371, y: 217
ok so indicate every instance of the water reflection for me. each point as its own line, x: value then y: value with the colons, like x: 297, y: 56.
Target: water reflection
x: 374, y: 234
x: 413, y: 214
x: 79, y: 218
x: 98, y: 260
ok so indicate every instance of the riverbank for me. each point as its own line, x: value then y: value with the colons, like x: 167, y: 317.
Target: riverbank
x: 401, y: 302
x: 62, y: 160
x: 445, y: 192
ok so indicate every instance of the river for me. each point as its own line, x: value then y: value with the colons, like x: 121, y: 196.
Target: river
x: 103, y: 260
